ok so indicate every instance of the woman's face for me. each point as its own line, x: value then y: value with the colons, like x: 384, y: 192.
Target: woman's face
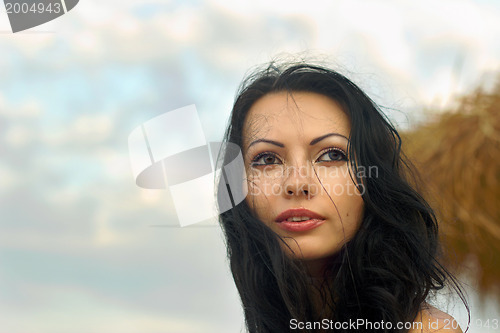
x: 295, y: 151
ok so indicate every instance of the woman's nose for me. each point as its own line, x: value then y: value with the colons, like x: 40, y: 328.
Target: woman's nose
x: 300, y: 181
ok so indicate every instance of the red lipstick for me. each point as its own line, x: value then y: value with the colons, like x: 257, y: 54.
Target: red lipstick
x: 299, y: 219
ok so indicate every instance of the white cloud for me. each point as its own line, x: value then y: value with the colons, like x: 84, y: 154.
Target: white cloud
x: 72, y: 310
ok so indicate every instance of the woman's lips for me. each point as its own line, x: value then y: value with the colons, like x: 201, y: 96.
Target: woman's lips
x: 285, y: 219
x: 300, y: 226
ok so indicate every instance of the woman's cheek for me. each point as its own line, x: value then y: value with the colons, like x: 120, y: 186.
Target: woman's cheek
x: 258, y: 199
x: 347, y: 198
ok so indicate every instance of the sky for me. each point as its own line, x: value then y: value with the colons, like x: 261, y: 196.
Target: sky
x: 82, y: 248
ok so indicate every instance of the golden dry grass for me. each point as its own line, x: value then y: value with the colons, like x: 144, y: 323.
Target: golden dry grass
x: 457, y: 155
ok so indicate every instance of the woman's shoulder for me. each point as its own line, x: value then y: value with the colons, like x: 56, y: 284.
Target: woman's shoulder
x: 431, y: 319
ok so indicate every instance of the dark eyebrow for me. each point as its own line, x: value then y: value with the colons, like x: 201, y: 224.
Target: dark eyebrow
x: 315, y: 141
x: 279, y: 144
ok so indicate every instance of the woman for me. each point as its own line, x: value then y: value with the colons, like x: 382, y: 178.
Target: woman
x: 331, y: 232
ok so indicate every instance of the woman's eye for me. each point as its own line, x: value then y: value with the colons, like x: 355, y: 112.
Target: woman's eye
x: 333, y: 155
x: 265, y: 159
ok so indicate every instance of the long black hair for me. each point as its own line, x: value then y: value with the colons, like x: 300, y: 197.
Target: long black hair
x: 385, y: 272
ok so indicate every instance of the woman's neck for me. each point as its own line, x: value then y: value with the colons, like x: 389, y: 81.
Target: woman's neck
x: 321, y: 272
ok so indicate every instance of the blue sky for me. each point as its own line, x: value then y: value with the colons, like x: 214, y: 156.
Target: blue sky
x: 78, y: 250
